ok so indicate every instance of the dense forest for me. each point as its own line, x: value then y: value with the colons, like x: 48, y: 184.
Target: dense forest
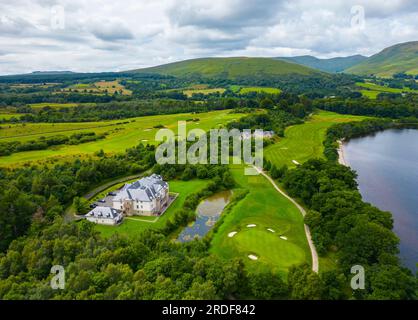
x: 358, y: 233
x: 387, y: 105
x: 8, y: 148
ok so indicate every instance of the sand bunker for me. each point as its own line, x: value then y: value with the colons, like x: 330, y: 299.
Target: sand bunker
x: 251, y: 225
x: 271, y: 230
x: 253, y: 257
x: 232, y: 234
x: 296, y: 163
x: 283, y: 238
x: 147, y: 129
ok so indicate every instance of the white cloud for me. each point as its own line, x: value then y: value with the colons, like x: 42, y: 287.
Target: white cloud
x: 104, y: 35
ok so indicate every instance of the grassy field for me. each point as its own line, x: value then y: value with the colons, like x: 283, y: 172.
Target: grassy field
x: 267, y: 209
x: 371, y: 90
x: 269, y: 90
x: 122, y: 134
x: 401, y: 57
x: 100, y: 87
x: 230, y: 68
x: 189, y: 92
x: 8, y: 116
x: 39, y: 106
x: 305, y: 141
x: 133, y: 225
x: 33, y: 85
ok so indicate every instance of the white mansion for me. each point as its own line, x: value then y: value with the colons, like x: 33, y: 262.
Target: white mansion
x: 147, y: 197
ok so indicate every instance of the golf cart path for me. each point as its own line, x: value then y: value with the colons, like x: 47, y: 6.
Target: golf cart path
x: 314, y: 254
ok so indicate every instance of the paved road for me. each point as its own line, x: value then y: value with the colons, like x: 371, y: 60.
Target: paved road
x: 315, y: 265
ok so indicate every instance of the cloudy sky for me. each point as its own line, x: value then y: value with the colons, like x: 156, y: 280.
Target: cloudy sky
x: 110, y: 35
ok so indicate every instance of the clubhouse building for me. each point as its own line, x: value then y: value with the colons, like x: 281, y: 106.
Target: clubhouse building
x: 148, y: 196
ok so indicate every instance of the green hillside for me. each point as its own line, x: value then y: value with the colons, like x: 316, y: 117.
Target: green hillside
x: 229, y: 68
x: 332, y: 65
x: 402, y: 57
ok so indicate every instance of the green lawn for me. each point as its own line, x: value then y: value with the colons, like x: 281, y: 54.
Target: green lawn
x: 266, y: 208
x: 305, y: 141
x: 133, y: 225
x: 122, y: 134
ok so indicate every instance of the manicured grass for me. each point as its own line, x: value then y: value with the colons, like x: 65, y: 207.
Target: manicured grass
x: 120, y: 136
x: 266, y: 208
x: 269, y: 90
x: 305, y: 141
x: 133, y: 225
x: 372, y: 89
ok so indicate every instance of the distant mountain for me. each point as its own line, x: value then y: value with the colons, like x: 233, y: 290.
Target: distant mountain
x: 229, y: 68
x: 50, y: 72
x: 400, y: 58
x: 332, y: 65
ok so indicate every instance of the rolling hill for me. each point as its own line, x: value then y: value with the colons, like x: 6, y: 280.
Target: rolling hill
x: 402, y: 57
x: 332, y: 65
x: 229, y: 68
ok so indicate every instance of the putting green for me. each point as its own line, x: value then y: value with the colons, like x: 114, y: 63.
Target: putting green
x: 267, y: 246
x: 267, y: 209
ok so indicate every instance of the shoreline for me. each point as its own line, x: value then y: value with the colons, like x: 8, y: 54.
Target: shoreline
x: 341, y: 155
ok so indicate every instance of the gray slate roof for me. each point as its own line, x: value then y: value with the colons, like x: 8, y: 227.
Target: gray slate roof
x: 145, y: 189
x: 103, y: 212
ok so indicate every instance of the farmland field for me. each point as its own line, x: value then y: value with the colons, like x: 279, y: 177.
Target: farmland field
x: 38, y: 106
x: 133, y: 225
x: 100, y: 87
x: 371, y: 90
x: 269, y: 211
x: 8, y: 116
x: 122, y: 134
x: 269, y: 90
x: 189, y: 92
x: 305, y: 141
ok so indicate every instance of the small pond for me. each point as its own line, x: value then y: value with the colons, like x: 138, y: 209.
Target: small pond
x: 208, y: 213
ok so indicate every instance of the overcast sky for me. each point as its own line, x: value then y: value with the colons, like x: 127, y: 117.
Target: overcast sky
x: 115, y: 35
